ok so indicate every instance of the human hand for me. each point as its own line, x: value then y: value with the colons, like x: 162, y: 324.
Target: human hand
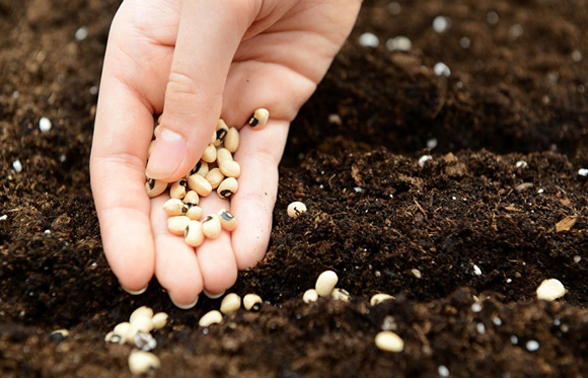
x: 195, y: 62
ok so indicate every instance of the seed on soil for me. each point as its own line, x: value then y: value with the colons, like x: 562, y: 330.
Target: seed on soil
x: 123, y: 330
x: 111, y: 337
x: 441, y: 24
x: 295, y: 209
x: 227, y: 188
x: 155, y: 187
x: 215, y: 177
x: 177, y: 225
x: 191, y: 198
x: 232, y: 140
x: 376, y: 299
x: 583, y: 172
x: 340, y: 295
x: 141, y: 362
x: 144, y: 341
x: 443, y: 371
x: 441, y: 69
x: 211, y: 317
x: 325, y: 283
x: 221, y: 133
x: 200, y: 185
x: 141, y: 324
x: 174, y: 207
x: 231, y: 303
x: 194, y: 213
x: 159, y: 320
x: 211, y: 226
x: 141, y: 312
x: 532, y: 345
x: 45, y: 124
x: 227, y: 220
x: 200, y: 168
x: 230, y: 168
x: 388, y: 341
x: 309, y: 296
x: 193, y: 234
x: 17, y: 166
x: 368, y: 40
x: 423, y: 159
x: 400, y: 43
x: 59, y: 334
x: 252, y: 302
x: 550, y: 290
x: 178, y: 189
x: 209, y: 155
x: 259, y: 118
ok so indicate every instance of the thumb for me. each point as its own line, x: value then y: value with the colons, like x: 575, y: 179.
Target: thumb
x: 208, y: 36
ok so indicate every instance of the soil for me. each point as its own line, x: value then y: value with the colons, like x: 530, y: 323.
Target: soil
x: 461, y: 242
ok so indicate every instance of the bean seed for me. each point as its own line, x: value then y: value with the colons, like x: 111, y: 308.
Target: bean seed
x: 227, y: 220
x: 227, y: 188
x: 252, y: 302
x: 201, y: 168
x: 123, y: 330
x: 141, y: 362
x: 379, y: 298
x: 59, y: 334
x: 142, y: 311
x: 211, y: 226
x: 215, y: 177
x: 221, y: 132
x: 211, y: 317
x: 325, y: 283
x: 550, y: 290
x: 388, y: 341
x: 155, y: 187
x: 232, y: 140
x: 194, y: 213
x: 223, y: 154
x: 340, y: 295
x: 295, y: 209
x: 309, y: 296
x: 144, y: 341
x: 177, y: 225
x: 178, y: 189
x: 200, y: 185
x: 259, y: 118
x: 209, y: 155
x: 111, y: 337
x: 141, y: 324
x: 230, y: 303
x: 230, y: 168
x: 159, y: 320
x: 193, y: 234
x: 174, y: 207
x: 191, y: 198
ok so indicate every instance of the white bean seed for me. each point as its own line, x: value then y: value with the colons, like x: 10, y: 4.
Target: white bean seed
x: 232, y: 140
x: 193, y: 234
x: 259, y: 118
x: 223, y: 154
x: 191, y: 198
x: 230, y: 303
x: 227, y: 188
x: 159, y: 320
x: 141, y: 362
x: 211, y: 317
x: 209, y: 155
x: 309, y: 296
x: 123, y: 330
x: 295, y: 209
x: 379, y: 298
x: 340, y: 295
x: 215, y: 177
x: 211, y: 226
x: 141, y: 324
x: 550, y: 290
x: 174, y: 207
x: 142, y: 311
x: 227, y: 220
x: 111, y: 337
x: 252, y: 302
x: 45, y: 124
x: 201, y: 168
x: 194, y: 213
x: 155, y: 187
x: 178, y: 189
x: 200, y: 185
x: 230, y: 168
x: 177, y: 225
x: 388, y: 341
x: 325, y: 283
x: 221, y: 132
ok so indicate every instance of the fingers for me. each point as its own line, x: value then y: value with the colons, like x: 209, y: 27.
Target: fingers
x: 253, y: 204
x: 208, y: 37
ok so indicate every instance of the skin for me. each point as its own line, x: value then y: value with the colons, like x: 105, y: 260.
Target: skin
x: 203, y: 60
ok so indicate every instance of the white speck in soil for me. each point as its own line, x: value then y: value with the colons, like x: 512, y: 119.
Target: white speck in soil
x: 441, y: 69
x: 465, y: 43
x: 45, y: 124
x: 492, y: 18
x: 394, y: 8
x: 564, y: 328
x: 81, y: 33
x: 532, y: 345
x: 423, y: 159
x: 441, y: 24
x: 540, y: 191
x: 400, y: 43
x: 17, y: 166
x: 514, y: 340
x: 47, y: 232
x: 476, y: 307
x: 369, y: 40
x: 481, y: 328
x: 453, y: 198
x: 577, y: 258
x: 515, y: 31
x: 62, y: 158
x: 3, y: 217
x: 576, y: 56
x: 443, y: 371
x: 497, y: 321
x: 416, y: 273
x: 432, y: 143
x: 477, y: 270
x: 508, y: 280
x: 583, y: 172
x: 521, y: 164
x: 93, y: 90
x: 358, y: 189
x: 15, y: 94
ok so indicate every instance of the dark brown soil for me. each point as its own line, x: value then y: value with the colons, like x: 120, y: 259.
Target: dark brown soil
x: 477, y: 227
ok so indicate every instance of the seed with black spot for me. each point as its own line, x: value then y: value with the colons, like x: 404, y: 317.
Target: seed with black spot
x: 177, y: 225
x: 210, y: 318
x: 295, y: 209
x: 227, y: 220
x: 155, y: 187
x: 379, y: 298
x: 227, y: 188
x: 178, y: 189
x: 340, y: 295
x: 211, y: 226
x: 309, y: 296
x: 259, y: 118
x: 174, y: 207
x: 59, y: 335
x: 221, y: 132
x: 193, y: 234
x: 191, y: 198
x: 252, y: 302
x: 201, y: 168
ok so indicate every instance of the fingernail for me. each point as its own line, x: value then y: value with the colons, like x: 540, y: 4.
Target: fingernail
x: 167, y: 155
x: 213, y: 295
x: 185, y: 306
x: 135, y: 292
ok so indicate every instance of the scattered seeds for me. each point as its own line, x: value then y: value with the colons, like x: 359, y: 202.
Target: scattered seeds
x: 309, y: 296
x: 193, y: 234
x: 259, y: 118
x: 379, y: 298
x: 252, y: 302
x: 295, y: 209
x: 550, y: 290
x: 521, y: 164
x: 227, y: 220
x: 227, y: 187
x: 325, y: 283
x: 45, y: 124
x: 211, y: 226
x: 159, y: 320
x: 477, y: 270
x: 231, y: 303
x: 369, y: 40
x: 141, y: 362
x: 177, y: 225
x: 389, y: 341
x: 211, y: 317
x: 340, y: 295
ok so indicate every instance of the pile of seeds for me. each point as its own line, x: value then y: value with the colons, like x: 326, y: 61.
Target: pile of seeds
x: 215, y: 171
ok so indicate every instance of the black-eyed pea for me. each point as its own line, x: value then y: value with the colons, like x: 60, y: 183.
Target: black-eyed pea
x: 230, y: 168
x: 232, y: 140
x: 174, y: 207
x: 141, y: 362
x: 221, y: 132
x: 388, y: 341
x: 111, y: 337
x: 155, y: 187
x: 200, y: 185
x: 227, y: 188
x: 310, y: 296
x: 259, y: 118
x: 191, y: 198
x: 209, y: 154
x: 231, y: 303
x: 325, y: 283
x: 222, y: 154
x: 215, y: 177
x: 227, y: 220
x: 59, y: 335
x: 142, y: 311
x: 376, y: 299
x: 178, y: 189
x: 200, y: 168
x: 295, y: 209
x: 211, y: 226
x: 177, y: 225
x: 141, y: 324
x: 193, y: 234
x: 211, y: 317
x: 252, y: 302
x: 339, y: 294
x: 123, y: 330
x: 159, y: 320
x: 194, y: 213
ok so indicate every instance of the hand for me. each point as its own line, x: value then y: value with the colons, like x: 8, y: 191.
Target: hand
x: 193, y: 62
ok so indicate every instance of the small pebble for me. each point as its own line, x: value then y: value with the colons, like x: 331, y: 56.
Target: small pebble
x: 211, y: 226
x: 476, y: 307
x: 441, y: 69
x: 17, y: 166
x: 309, y: 296
x: 141, y: 312
x: 325, y: 283
x: 389, y: 341
x: 45, y: 124
x: 252, y: 302
x: 369, y: 40
x: 550, y: 289
x: 295, y: 209
x: 211, y: 317
x: 227, y: 220
x: 376, y: 299
x: 441, y: 24
x: 259, y: 118
x: 159, y: 320
x: 532, y: 345
x: 231, y: 303
x: 141, y: 362
x: 516, y: 31
x: 339, y: 294
x: 227, y: 188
